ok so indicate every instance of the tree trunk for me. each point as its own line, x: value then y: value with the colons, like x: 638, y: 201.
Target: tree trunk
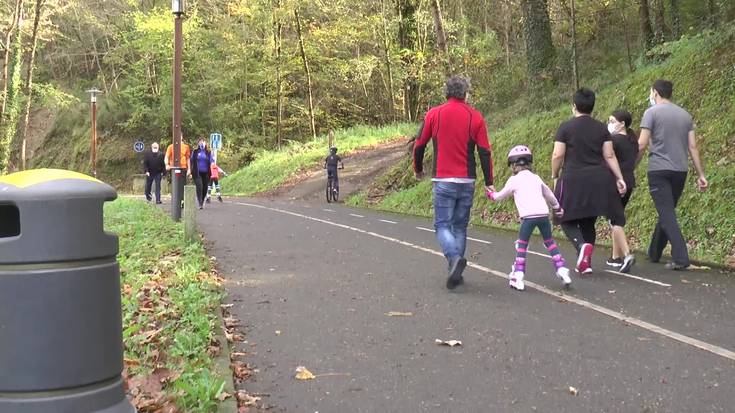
x: 307, y: 72
x: 441, y: 37
x: 279, y: 90
x: 712, y: 10
x: 6, y: 61
x: 626, y: 35
x: 407, y: 40
x: 575, y: 69
x: 644, y: 16
x: 29, y: 82
x: 506, y: 10
x: 659, y: 21
x: 388, y: 65
x: 539, y: 48
x: 10, y: 120
x: 675, y: 19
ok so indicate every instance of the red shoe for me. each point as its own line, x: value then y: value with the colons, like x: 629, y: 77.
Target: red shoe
x: 584, y: 261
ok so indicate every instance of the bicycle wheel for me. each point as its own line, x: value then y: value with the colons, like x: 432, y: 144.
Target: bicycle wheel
x: 335, y: 194
x: 329, y: 191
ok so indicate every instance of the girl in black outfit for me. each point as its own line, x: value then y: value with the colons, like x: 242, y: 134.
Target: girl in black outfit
x: 201, y: 162
x: 625, y: 143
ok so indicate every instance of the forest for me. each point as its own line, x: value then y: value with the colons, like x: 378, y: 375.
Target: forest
x: 268, y: 72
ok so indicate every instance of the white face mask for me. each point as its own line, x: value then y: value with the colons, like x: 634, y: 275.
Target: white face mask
x: 155, y: 150
x: 611, y: 127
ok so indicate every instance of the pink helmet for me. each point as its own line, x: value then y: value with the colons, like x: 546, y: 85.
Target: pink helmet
x: 520, y: 154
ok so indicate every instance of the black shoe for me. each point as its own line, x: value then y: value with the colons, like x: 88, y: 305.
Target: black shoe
x: 615, y: 262
x: 219, y: 198
x: 675, y: 267
x: 209, y: 200
x: 628, y: 262
x: 158, y: 202
x: 456, y: 267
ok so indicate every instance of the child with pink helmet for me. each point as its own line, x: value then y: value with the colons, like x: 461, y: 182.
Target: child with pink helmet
x: 532, y: 198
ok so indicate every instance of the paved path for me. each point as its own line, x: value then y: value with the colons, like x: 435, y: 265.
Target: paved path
x: 326, y: 277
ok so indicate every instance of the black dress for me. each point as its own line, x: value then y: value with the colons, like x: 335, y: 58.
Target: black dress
x: 587, y: 187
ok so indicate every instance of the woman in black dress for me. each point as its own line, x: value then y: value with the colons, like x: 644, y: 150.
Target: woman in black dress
x: 625, y: 143
x: 586, y: 187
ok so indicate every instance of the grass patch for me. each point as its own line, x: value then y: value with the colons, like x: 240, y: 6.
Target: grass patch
x: 272, y: 169
x: 170, y: 301
x: 703, y: 71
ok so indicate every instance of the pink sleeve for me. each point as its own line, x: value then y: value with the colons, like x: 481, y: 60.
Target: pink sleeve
x: 549, y: 195
x: 507, y: 190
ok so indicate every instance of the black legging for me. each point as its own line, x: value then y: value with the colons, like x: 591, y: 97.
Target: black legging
x: 580, y: 231
x: 201, y: 180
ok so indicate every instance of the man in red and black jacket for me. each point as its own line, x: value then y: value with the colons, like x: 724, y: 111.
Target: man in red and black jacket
x: 456, y: 130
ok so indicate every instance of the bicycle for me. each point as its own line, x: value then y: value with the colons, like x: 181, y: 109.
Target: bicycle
x: 332, y: 191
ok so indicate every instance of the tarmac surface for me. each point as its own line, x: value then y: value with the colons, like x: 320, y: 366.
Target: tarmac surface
x: 314, y: 284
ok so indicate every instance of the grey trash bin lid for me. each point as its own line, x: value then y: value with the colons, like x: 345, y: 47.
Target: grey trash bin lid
x: 59, y: 215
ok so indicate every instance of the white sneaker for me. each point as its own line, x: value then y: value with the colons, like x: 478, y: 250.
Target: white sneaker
x: 563, y: 274
x: 516, y: 280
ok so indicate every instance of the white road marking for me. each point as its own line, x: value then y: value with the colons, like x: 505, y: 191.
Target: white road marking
x: 631, y: 276
x: 482, y: 241
x: 714, y: 349
x: 387, y: 222
x: 357, y: 216
x: 635, y: 277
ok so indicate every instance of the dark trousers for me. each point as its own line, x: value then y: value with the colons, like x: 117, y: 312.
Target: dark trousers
x: 149, y: 183
x: 332, y: 173
x: 666, y: 188
x: 580, y: 231
x: 201, y: 180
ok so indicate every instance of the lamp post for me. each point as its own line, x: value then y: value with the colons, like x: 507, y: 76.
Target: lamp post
x: 177, y: 175
x: 93, y: 143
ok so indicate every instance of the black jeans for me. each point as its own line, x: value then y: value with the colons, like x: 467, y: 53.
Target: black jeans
x: 580, y: 231
x: 666, y: 188
x: 201, y: 180
x: 149, y: 183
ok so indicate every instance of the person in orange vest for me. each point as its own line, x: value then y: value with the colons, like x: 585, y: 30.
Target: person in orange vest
x: 214, y: 187
x: 184, y: 162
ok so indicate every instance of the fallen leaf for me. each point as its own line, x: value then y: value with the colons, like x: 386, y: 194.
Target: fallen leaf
x: 131, y: 362
x: 685, y: 281
x: 226, y: 305
x: 240, y: 369
x: 231, y: 322
x: 222, y: 396
x: 278, y: 332
x: 244, y: 399
x: 399, y: 314
x: 238, y: 354
x: 302, y: 373
x: 450, y: 343
x: 573, y: 391
x: 699, y: 267
x: 611, y: 291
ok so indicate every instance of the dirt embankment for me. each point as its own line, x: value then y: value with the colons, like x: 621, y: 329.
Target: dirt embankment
x: 360, y: 169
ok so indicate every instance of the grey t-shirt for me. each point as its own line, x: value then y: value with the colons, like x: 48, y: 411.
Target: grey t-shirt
x: 669, y: 147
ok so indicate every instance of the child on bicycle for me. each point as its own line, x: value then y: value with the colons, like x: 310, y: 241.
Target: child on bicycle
x: 330, y: 164
x: 532, y: 198
x: 214, y: 173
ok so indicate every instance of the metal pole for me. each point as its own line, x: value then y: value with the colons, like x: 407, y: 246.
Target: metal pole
x: 178, y: 175
x: 94, y: 137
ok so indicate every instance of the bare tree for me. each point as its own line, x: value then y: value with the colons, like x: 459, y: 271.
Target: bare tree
x: 388, y: 64
x: 307, y: 72
x: 277, y: 33
x: 441, y: 37
x: 14, y: 23
x: 408, y: 42
x: 29, y: 82
x: 575, y: 69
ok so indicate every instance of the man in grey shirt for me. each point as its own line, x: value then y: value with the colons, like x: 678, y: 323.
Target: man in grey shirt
x: 669, y: 130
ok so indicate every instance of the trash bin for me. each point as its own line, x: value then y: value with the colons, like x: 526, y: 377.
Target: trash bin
x: 60, y: 314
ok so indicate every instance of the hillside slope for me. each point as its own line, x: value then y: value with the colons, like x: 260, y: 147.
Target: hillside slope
x: 703, y: 71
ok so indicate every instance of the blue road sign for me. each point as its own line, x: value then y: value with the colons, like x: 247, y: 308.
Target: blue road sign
x: 139, y: 146
x: 215, y: 141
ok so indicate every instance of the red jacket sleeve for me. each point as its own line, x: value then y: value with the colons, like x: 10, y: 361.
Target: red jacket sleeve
x: 419, y: 147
